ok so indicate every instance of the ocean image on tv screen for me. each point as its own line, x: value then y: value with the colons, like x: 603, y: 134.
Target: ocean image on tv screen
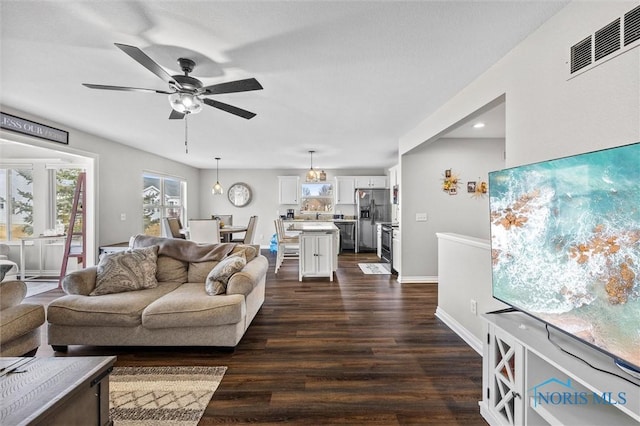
x: 565, y: 245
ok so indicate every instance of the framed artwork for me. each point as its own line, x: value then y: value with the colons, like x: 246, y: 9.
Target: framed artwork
x: 450, y: 182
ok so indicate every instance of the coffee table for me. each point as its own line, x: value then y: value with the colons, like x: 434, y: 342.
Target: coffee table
x: 65, y: 391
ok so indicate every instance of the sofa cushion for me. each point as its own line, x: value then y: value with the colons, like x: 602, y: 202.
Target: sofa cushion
x: 127, y: 271
x: 198, y: 271
x: 216, y: 282
x: 171, y: 270
x: 189, y: 306
x: 117, y: 309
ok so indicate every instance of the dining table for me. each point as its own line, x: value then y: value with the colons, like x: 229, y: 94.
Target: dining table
x: 227, y: 231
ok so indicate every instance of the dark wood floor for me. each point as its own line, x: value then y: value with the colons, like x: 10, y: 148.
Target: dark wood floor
x: 363, y: 349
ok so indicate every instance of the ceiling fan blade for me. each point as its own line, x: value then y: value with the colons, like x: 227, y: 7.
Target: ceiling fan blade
x: 124, y: 89
x: 232, y: 87
x: 230, y: 108
x: 147, y: 62
x: 175, y: 115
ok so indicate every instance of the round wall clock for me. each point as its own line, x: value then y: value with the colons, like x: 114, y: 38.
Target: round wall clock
x: 239, y: 194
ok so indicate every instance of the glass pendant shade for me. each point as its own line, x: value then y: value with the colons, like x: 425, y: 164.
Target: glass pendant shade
x: 217, y: 189
x: 185, y: 103
x: 311, y: 175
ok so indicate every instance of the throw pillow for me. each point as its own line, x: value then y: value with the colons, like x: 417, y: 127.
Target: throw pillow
x: 218, y: 278
x: 126, y: 271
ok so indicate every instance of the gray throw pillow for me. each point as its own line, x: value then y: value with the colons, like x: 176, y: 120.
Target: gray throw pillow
x: 127, y: 271
x: 218, y: 278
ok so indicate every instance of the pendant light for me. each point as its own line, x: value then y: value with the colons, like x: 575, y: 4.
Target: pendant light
x: 217, y: 188
x: 312, y: 175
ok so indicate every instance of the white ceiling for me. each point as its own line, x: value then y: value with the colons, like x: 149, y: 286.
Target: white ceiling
x: 493, y: 120
x: 344, y: 78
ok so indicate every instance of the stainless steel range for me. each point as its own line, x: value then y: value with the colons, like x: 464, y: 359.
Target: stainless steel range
x: 386, y: 243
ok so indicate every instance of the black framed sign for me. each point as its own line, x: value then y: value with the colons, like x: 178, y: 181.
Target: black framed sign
x: 31, y: 128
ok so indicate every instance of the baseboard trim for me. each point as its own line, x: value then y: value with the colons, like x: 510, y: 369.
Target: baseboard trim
x: 454, y: 325
x: 417, y: 279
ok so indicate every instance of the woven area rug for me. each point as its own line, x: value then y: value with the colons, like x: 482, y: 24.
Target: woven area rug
x: 161, y: 396
x: 375, y: 268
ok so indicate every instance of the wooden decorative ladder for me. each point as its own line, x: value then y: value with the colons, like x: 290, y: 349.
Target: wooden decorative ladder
x: 77, y: 211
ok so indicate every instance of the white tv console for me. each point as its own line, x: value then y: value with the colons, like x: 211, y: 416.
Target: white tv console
x: 527, y: 380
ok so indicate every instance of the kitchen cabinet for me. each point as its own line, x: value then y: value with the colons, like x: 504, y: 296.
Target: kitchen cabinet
x: 316, y: 255
x: 345, y: 190
x: 288, y: 187
x: 371, y: 182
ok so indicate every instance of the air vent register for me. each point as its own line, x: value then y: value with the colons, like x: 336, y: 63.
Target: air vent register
x: 606, y: 41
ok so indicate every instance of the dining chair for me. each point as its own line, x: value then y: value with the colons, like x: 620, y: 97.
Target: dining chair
x: 249, y: 233
x: 172, y: 227
x: 288, y: 246
x: 204, y: 231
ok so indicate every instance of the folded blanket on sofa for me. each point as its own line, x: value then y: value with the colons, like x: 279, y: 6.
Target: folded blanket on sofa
x: 184, y: 250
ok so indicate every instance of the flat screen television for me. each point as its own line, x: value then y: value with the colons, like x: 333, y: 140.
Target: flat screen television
x: 565, y: 246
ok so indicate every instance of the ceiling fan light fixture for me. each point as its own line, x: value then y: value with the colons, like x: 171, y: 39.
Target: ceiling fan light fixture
x: 217, y: 189
x: 185, y: 103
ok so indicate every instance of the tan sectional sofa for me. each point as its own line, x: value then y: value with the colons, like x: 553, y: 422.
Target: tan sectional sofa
x: 178, y: 312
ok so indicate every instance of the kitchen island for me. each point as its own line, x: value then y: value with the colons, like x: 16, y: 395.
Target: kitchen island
x: 319, y: 245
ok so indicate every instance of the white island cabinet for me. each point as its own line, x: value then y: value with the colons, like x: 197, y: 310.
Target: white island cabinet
x: 315, y: 255
x: 319, y: 244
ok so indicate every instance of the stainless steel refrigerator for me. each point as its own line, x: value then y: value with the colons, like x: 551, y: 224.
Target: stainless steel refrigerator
x: 372, y: 206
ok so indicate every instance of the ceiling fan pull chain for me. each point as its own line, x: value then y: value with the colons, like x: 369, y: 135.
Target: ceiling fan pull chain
x: 186, y: 127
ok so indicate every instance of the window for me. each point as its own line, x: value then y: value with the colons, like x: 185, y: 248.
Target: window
x: 16, y: 203
x: 317, y: 197
x: 66, y: 181
x: 162, y: 197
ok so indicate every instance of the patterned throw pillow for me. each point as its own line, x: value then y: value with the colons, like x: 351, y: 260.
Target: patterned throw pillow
x: 127, y: 271
x: 218, y: 278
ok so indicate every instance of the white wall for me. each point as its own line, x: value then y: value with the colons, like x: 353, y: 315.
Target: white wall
x: 470, y: 160
x: 547, y: 115
x: 264, y: 188
x: 465, y: 276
